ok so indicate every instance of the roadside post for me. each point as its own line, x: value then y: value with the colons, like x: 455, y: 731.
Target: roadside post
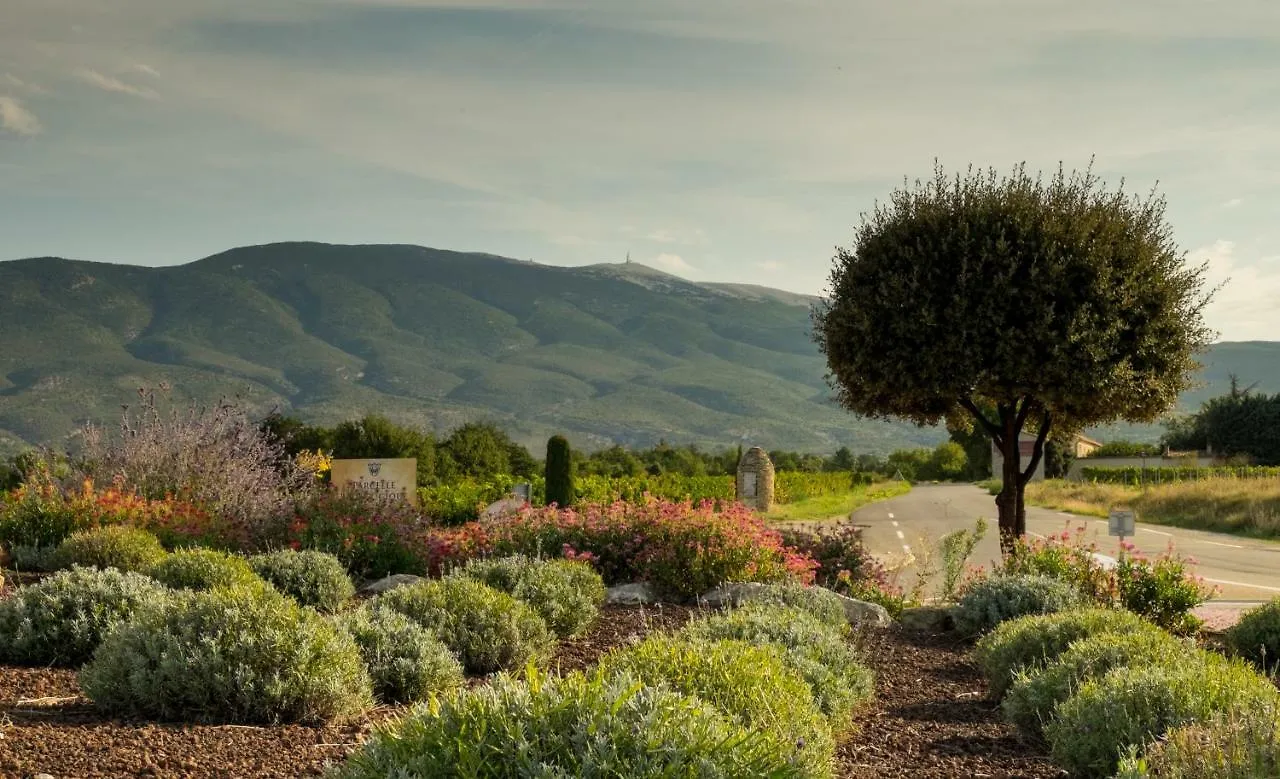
x: 1121, y: 522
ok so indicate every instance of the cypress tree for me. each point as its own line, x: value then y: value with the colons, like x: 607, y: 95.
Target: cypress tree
x: 559, y: 472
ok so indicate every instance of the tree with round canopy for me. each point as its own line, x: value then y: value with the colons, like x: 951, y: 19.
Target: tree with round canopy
x: 1014, y: 303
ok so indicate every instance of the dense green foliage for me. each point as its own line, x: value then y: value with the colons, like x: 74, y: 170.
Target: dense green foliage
x: 314, y: 579
x: 1240, y: 423
x: 230, y: 655
x: 1131, y: 706
x: 405, y: 661
x: 1234, y: 745
x: 62, y: 619
x: 575, y: 726
x: 822, y: 654
x: 1122, y: 448
x: 487, y: 629
x: 114, y: 546
x: 1038, y: 690
x: 751, y: 684
x: 1164, y: 475
x: 204, y: 569
x: 566, y: 593
x: 988, y: 602
x: 1062, y: 304
x: 559, y: 474
x: 1026, y: 643
x: 1256, y: 637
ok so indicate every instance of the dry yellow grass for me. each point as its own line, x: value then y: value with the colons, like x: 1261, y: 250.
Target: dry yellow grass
x: 1243, y: 506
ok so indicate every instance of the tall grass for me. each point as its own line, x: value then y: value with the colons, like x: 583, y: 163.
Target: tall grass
x: 1241, y: 506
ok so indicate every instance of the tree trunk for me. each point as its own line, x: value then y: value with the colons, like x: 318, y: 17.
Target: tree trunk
x: 1009, y: 501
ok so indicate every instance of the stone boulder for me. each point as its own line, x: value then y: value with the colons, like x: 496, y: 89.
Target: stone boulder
x: 389, y: 583
x: 857, y: 612
x: 928, y: 619
x: 634, y: 594
x: 861, y: 612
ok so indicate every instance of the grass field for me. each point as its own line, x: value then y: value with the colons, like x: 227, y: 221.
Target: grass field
x: 1243, y: 506
x: 838, y: 504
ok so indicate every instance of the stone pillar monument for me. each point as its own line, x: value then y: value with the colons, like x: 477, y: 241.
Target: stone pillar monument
x: 755, y: 480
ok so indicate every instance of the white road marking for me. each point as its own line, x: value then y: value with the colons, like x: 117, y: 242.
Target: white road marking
x: 891, y: 517
x: 1036, y: 535
x: 906, y: 548
x: 1157, y: 532
x: 1244, y: 584
x: 1065, y: 514
x: 895, y: 523
x: 901, y: 537
x: 1229, y: 546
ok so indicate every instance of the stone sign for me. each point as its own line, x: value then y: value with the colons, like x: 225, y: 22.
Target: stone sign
x: 392, y: 477
x: 755, y: 480
x: 1121, y: 522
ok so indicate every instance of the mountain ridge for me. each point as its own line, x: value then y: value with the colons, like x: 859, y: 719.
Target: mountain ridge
x: 608, y: 353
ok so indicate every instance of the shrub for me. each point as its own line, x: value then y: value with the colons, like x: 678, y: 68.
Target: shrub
x: 370, y: 534
x: 405, y: 661
x: 559, y: 472
x: 115, y: 546
x: 1034, y: 694
x: 1031, y: 642
x: 203, y: 569
x: 567, y: 594
x: 988, y: 602
x: 575, y: 726
x: 229, y: 656
x: 839, y: 681
x: 311, y: 578
x: 752, y: 684
x: 1091, y: 730
x: 62, y: 619
x: 214, y: 457
x: 1256, y: 637
x: 1235, y: 745
x: 488, y: 630
x: 818, y: 602
x: 1162, y: 590
x: 843, y: 562
x: 681, y: 549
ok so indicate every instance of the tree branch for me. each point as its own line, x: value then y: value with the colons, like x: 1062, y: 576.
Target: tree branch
x: 992, y: 429
x: 1038, y: 452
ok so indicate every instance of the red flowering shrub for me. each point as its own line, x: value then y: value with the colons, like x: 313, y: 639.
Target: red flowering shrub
x: 681, y: 549
x: 371, y: 535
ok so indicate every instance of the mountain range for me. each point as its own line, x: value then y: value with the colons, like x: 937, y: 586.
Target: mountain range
x: 615, y: 353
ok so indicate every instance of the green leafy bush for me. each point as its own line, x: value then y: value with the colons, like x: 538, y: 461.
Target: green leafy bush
x: 1256, y: 637
x: 1031, y: 642
x: 1236, y: 745
x: 988, y: 602
x: 311, y: 578
x: 229, y: 655
x: 62, y: 619
x: 577, y: 726
x: 839, y: 681
x: 405, y: 661
x: 1163, y: 590
x: 489, y: 630
x: 1033, y: 695
x: 821, y: 603
x: 752, y: 684
x: 204, y: 569
x: 114, y: 546
x: 567, y: 594
x: 1090, y: 731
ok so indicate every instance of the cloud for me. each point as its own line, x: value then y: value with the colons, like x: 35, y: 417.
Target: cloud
x: 145, y: 69
x: 672, y: 263
x: 1233, y: 202
x: 1244, y: 308
x: 769, y: 265
x: 24, y: 86
x: 15, y: 118
x: 695, y: 237
x: 111, y: 84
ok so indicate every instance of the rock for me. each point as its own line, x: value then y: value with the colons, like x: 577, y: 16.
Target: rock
x: 860, y: 612
x: 509, y: 505
x: 42, y: 776
x: 929, y: 619
x: 633, y: 594
x: 389, y: 583
x: 734, y: 594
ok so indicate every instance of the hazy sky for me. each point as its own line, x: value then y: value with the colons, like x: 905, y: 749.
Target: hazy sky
x: 717, y: 139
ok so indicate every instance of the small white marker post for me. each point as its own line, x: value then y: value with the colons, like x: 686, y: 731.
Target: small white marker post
x: 1122, y: 522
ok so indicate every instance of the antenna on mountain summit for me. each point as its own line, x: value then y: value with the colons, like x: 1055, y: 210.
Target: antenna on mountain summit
x: 628, y: 258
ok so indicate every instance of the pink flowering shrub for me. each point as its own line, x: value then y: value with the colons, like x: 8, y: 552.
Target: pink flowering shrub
x: 681, y: 549
x: 372, y: 536
x: 1163, y: 589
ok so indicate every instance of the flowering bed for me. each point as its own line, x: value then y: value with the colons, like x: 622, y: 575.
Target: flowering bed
x: 681, y: 549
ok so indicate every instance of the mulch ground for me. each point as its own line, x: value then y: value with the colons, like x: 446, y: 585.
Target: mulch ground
x: 930, y: 719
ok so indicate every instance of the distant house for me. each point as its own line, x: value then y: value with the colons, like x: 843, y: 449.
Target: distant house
x: 1083, y: 445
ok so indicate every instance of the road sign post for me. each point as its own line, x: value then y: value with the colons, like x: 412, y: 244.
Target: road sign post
x: 1121, y: 522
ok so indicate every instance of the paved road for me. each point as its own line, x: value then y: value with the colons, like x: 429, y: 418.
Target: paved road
x: 1244, y: 569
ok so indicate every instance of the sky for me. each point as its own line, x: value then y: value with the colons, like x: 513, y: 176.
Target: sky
x: 721, y: 140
